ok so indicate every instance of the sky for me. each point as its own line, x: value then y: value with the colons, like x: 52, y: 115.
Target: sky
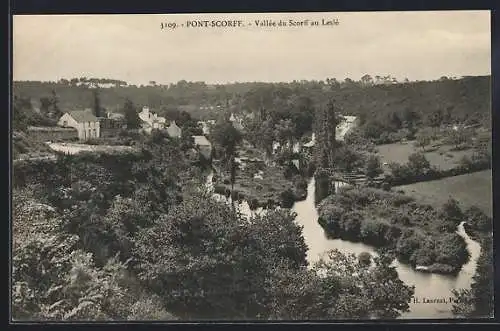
x: 134, y: 48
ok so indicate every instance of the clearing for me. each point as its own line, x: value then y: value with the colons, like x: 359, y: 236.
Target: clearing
x: 469, y: 189
x: 440, y: 157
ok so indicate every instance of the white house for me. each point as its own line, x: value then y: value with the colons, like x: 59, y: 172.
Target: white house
x: 151, y: 120
x: 204, y: 146
x: 174, y: 130
x: 84, y: 122
x: 237, y: 122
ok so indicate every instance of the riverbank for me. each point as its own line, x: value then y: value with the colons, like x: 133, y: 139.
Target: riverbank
x: 319, y: 242
x: 418, y: 234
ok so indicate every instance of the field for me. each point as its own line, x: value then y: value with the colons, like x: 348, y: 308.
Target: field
x: 441, y: 157
x: 469, y: 189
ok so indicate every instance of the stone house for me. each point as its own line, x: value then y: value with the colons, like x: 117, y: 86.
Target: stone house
x: 86, y: 124
x: 151, y: 120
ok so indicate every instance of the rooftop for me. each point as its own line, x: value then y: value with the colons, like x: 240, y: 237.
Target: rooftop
x: 83, y: 116
x: 201, y: 140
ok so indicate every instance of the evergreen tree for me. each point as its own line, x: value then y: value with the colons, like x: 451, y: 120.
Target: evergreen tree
x: 54, y: 101
x: 97, y: 104
x: 326, y: 122
x: 131, y: 115
x: 325, y: 126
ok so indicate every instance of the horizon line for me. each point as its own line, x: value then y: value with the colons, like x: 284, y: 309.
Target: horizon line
x: 301, y: 80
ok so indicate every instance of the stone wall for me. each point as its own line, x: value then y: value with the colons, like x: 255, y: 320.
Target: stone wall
x: 44, y: 134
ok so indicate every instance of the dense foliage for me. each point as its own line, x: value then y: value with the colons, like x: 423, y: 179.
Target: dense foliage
x: 54, y: 279
x: 385, y: 110
x: 134, y: 236
x: 477, y: 302
x: 120, y: 240
x: 418, y: 234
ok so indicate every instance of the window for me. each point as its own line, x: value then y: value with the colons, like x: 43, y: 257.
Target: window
x: 90, y: 134
x: 65, y: 123
x: 94, y: 132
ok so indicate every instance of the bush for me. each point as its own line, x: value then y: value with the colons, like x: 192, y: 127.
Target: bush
x: 350, y: 226
x: 287, y: 198
x: 365, y: 259
x: 253, y: 204
x: 373, y: 232
x: 451, y: 211
x: 300, y: 183
x: 478, y: 220
x: 451, y: 249
x: 407, y: 244
x: 422, y: 257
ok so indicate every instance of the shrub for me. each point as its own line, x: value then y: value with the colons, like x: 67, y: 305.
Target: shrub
x: 451, y: 211
x: 477, y: 219
x: 350, y: 224
x: 451, y: 249
x: 287, y: 198
x: 365, y: 259
x: 253, y: 204
x: 407, y: 244
x: 373, y: 232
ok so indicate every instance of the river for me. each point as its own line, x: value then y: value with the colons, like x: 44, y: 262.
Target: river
x: 427, y: 285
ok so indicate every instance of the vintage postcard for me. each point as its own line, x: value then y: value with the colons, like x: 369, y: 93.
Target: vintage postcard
x: 252, y: 166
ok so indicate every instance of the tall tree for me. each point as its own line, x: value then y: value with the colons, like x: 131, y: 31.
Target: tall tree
x: 373, y: 168
x: 97, y: 109
x: 45, y: 104
x: 284, y: 132
x: 367, y: 80
x: 228, y: 138
x: 326, y: 122
x: 131, y: 115
x: 19, y: 116
x: 97, y: 104
x: 424, y: 138
x: 54, y: 100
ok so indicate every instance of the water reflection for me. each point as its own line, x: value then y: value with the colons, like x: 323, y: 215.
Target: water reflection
x: 427, y: 285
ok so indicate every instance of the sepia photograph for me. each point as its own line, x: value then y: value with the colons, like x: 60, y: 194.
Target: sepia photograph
x: 309, y: 166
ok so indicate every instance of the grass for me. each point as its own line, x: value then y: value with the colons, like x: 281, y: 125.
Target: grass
x: 442, y: 157
x: 469, y: 189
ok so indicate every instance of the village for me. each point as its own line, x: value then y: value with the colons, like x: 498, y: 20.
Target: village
x: 83, y: 126
x: 152, y: 184
x: 257, y: 163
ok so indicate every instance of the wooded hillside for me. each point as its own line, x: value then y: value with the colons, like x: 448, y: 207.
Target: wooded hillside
x: 462, y: 98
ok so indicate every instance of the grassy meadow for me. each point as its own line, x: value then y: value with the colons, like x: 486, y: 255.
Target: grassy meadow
x: 469, y: 189
x: 440, y: 156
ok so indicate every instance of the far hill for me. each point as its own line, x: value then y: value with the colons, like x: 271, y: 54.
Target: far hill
x: 460, y: 98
